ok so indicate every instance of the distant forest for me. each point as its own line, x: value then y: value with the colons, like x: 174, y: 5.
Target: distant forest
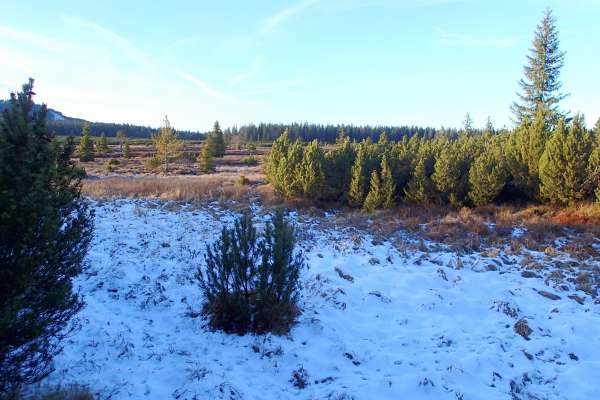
x: 73, y: 127
x: 268, y: 132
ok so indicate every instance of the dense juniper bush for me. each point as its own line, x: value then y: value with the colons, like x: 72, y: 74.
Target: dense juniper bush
x: 250, y: 280
x: 45, y: 230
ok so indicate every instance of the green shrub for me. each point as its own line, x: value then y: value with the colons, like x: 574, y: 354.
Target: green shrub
x: 250, y: 284
x: 152, y: 163
x: 110, y: 164
x: 250, y: 161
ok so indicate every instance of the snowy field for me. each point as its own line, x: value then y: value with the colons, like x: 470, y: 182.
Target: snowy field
x: 378, y: 322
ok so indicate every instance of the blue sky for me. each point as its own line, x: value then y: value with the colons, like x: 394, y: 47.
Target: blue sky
x: 422, y: 62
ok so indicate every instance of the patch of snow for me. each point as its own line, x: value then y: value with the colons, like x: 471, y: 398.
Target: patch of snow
x: 411, y: 325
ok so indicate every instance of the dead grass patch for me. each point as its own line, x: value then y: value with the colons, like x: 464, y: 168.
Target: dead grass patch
x: 183, y: 188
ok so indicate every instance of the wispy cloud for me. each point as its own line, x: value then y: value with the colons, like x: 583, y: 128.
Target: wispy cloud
x: 456, y: 39
x: 44, y: 42
x: 202, y: 85
x: 244, y: 76
x: 271, y: 23
x: 111, y: 37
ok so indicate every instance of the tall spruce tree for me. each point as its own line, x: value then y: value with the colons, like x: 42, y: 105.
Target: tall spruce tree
x: 374, y: 199
x: 86, y: 144
x: 45, y: 230
x: 563, y: 166
x: 540, y: 87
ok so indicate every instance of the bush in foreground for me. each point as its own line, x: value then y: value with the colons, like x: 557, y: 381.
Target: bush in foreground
x: 45, y: 230
x: 250, y: 283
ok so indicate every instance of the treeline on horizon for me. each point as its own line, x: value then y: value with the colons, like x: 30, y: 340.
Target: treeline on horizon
x: 548, y: 157
x: 306, y: 132
x: 74, y: 127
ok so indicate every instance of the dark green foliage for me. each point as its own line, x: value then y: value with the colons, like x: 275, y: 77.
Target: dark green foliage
x: 374, y: 199
x: 488, y: 175
x: 45, y: 230
x: 540, y: 88
x: 102, y: 147
x: 358, y: 189
x: 215, y: 141
x: 563, y: 166
x: 311, y: 171
x: 388, y: 185
x: 420, y: 188
x: 250, y: 283
x: 86, y: 145
x: 205, y: 159
x: 250, y: 161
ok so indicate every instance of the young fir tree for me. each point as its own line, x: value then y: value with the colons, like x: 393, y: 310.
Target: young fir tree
x: 338, y: 169
x: 102, y: 146
x: 451, y: 173
x: 358, y: 181
x: 311, y: 171
x: 487, y: 176
x: 86, y: 144
x: 216, y: 141
x: 278, y: 151
x: 166, y: 144
x: 374, y: 199
x: 45, y: 230
x: 388, y: 185
x: 288, y: 177
x: 563, y: 166
x: 420, y: 188
x: 205, y: 160
x: 540, y: 87
x: 126, y: 149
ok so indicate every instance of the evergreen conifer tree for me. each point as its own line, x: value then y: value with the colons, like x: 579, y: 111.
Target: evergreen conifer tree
x: 166, y: 144
x: 311, y: 173
x: 45, y: 230
x: 487, y: 177
x: 102, y: 146
x: 358, y: 181
x: 563, y: 166
x: 205, y: 160
x: 374, y: 199
x: 86, y: 144
x: 541, y: 84
x: 126, y: 149
x: 388, y: 185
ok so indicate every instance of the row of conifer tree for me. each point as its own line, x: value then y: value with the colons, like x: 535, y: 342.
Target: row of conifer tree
x: 532, y: 162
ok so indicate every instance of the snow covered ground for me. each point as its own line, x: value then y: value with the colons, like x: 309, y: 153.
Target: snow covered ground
x: 378, y: 322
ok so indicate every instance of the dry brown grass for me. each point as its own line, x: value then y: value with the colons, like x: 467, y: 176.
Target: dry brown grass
x: 180, y: 188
